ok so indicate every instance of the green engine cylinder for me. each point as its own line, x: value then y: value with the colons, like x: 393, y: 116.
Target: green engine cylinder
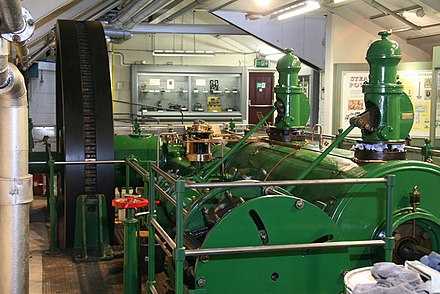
x: 143, y: 147
x: 391, y: 110
x: 358, y: 210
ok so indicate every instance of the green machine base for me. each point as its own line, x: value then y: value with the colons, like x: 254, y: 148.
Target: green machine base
x: 91, y: 229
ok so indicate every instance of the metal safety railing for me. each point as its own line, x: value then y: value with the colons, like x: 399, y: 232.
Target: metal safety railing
x: 176, y: 244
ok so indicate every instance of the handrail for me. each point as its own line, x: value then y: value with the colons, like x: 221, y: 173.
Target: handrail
x: 180, y: 253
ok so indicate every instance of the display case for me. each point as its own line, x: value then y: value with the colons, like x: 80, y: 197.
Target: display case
x: 175, y: 93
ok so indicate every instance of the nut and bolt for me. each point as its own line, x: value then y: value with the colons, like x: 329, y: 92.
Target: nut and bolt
x: 30, y: 22
x: 299, y: 204
x: 16, y: 38
x: 201, y: 282
x: 204, y: 258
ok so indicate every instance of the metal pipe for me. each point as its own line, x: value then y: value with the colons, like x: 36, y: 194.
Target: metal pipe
x: 277, y: 248
x: 15, y: 186
x: 385, y: 9
x: 179, y: 251
x: 52, y: 44
x: 151, y: 244
x: 12, y: 17
x: 163, y: 234
x: 129, y: 11
x: 89, y: 162
x: 4, y: 68
x: 285, y: 183
x: 152, y: 8
x: 184, y: 10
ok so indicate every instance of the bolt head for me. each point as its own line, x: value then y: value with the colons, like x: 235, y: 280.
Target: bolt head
x: 16, y: 38
x: 201, y: 282
x: 30, y: 22
x: 299, y: 204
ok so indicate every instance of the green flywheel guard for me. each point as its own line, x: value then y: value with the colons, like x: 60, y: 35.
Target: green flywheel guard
x: 305, y: 271
x: 91, y: 229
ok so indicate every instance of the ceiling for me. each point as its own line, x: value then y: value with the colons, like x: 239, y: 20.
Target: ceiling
x: 417, y: 21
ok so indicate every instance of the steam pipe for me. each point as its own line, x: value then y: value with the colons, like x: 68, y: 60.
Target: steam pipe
x: 143, y: 14
x: 15, y: 183
x: 11, y: 13
x: 4, y: 72
x: 128, y: 12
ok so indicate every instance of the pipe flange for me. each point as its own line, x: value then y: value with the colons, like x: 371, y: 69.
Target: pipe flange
x: 26, y: 32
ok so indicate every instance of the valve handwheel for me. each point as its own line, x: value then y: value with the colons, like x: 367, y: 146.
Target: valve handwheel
x: 131, y: 202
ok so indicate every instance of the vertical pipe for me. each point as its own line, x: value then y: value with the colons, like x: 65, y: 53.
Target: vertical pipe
x: 127, y: 178
x: 15, y: 186
x: 151, y: 232
x: 179, y: 251
x: 12, y: 16
x: 131, y: 273
x: 389, y: 239
x: 4, y: 68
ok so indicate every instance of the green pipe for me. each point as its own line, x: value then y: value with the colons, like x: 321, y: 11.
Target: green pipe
x: 389, y: 239
x: 318, y: 160
x: 53, y: 247
x: 151, y: 232
x: 179, y: 251
x: 127, y: 177
x: 131, y: 274
x: 218, y: 163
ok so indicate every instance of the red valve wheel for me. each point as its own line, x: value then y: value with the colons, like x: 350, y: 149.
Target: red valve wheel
x: 131, y: 202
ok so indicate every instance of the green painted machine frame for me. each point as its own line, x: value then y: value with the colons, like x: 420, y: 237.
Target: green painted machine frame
x: 177, y: 199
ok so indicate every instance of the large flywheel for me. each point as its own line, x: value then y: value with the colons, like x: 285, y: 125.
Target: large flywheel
x: 84, y: 118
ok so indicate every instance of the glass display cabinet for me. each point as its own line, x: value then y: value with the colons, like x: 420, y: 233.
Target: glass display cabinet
x: 175, y: 93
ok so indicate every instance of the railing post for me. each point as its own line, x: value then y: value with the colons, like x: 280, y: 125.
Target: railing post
x: 53, y: 247
x: 151, y: 231
x: 179, y: 251
x: 127, y: 177
x: 389, y: 239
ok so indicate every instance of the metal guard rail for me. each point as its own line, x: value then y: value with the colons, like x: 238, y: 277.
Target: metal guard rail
x: 179, y: 252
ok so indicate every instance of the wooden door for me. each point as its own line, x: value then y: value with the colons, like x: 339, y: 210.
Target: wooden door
x: 260, y: 96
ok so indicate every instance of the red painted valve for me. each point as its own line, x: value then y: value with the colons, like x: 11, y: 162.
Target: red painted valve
x: 131, y: 202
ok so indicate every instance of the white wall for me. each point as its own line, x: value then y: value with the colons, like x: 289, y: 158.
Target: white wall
x: 41, y: 93
x: 138, y: 50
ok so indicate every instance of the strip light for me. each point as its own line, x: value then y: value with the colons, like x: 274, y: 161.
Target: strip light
x: 338, y: 1
x: 199, y: 53
x: 296, y: 9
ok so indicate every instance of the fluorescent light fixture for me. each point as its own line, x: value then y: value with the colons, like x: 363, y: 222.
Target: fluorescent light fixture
x: 338, y: 1
x: 297, y: 9
x: 199, y: 53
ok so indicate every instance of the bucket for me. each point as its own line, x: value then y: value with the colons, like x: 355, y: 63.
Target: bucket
x: 358, y: 276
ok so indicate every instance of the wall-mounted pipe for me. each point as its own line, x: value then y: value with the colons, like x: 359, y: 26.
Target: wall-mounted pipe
x: 15, y: 184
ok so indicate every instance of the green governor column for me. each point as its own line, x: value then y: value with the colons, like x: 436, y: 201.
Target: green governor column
x: 292, y: 104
